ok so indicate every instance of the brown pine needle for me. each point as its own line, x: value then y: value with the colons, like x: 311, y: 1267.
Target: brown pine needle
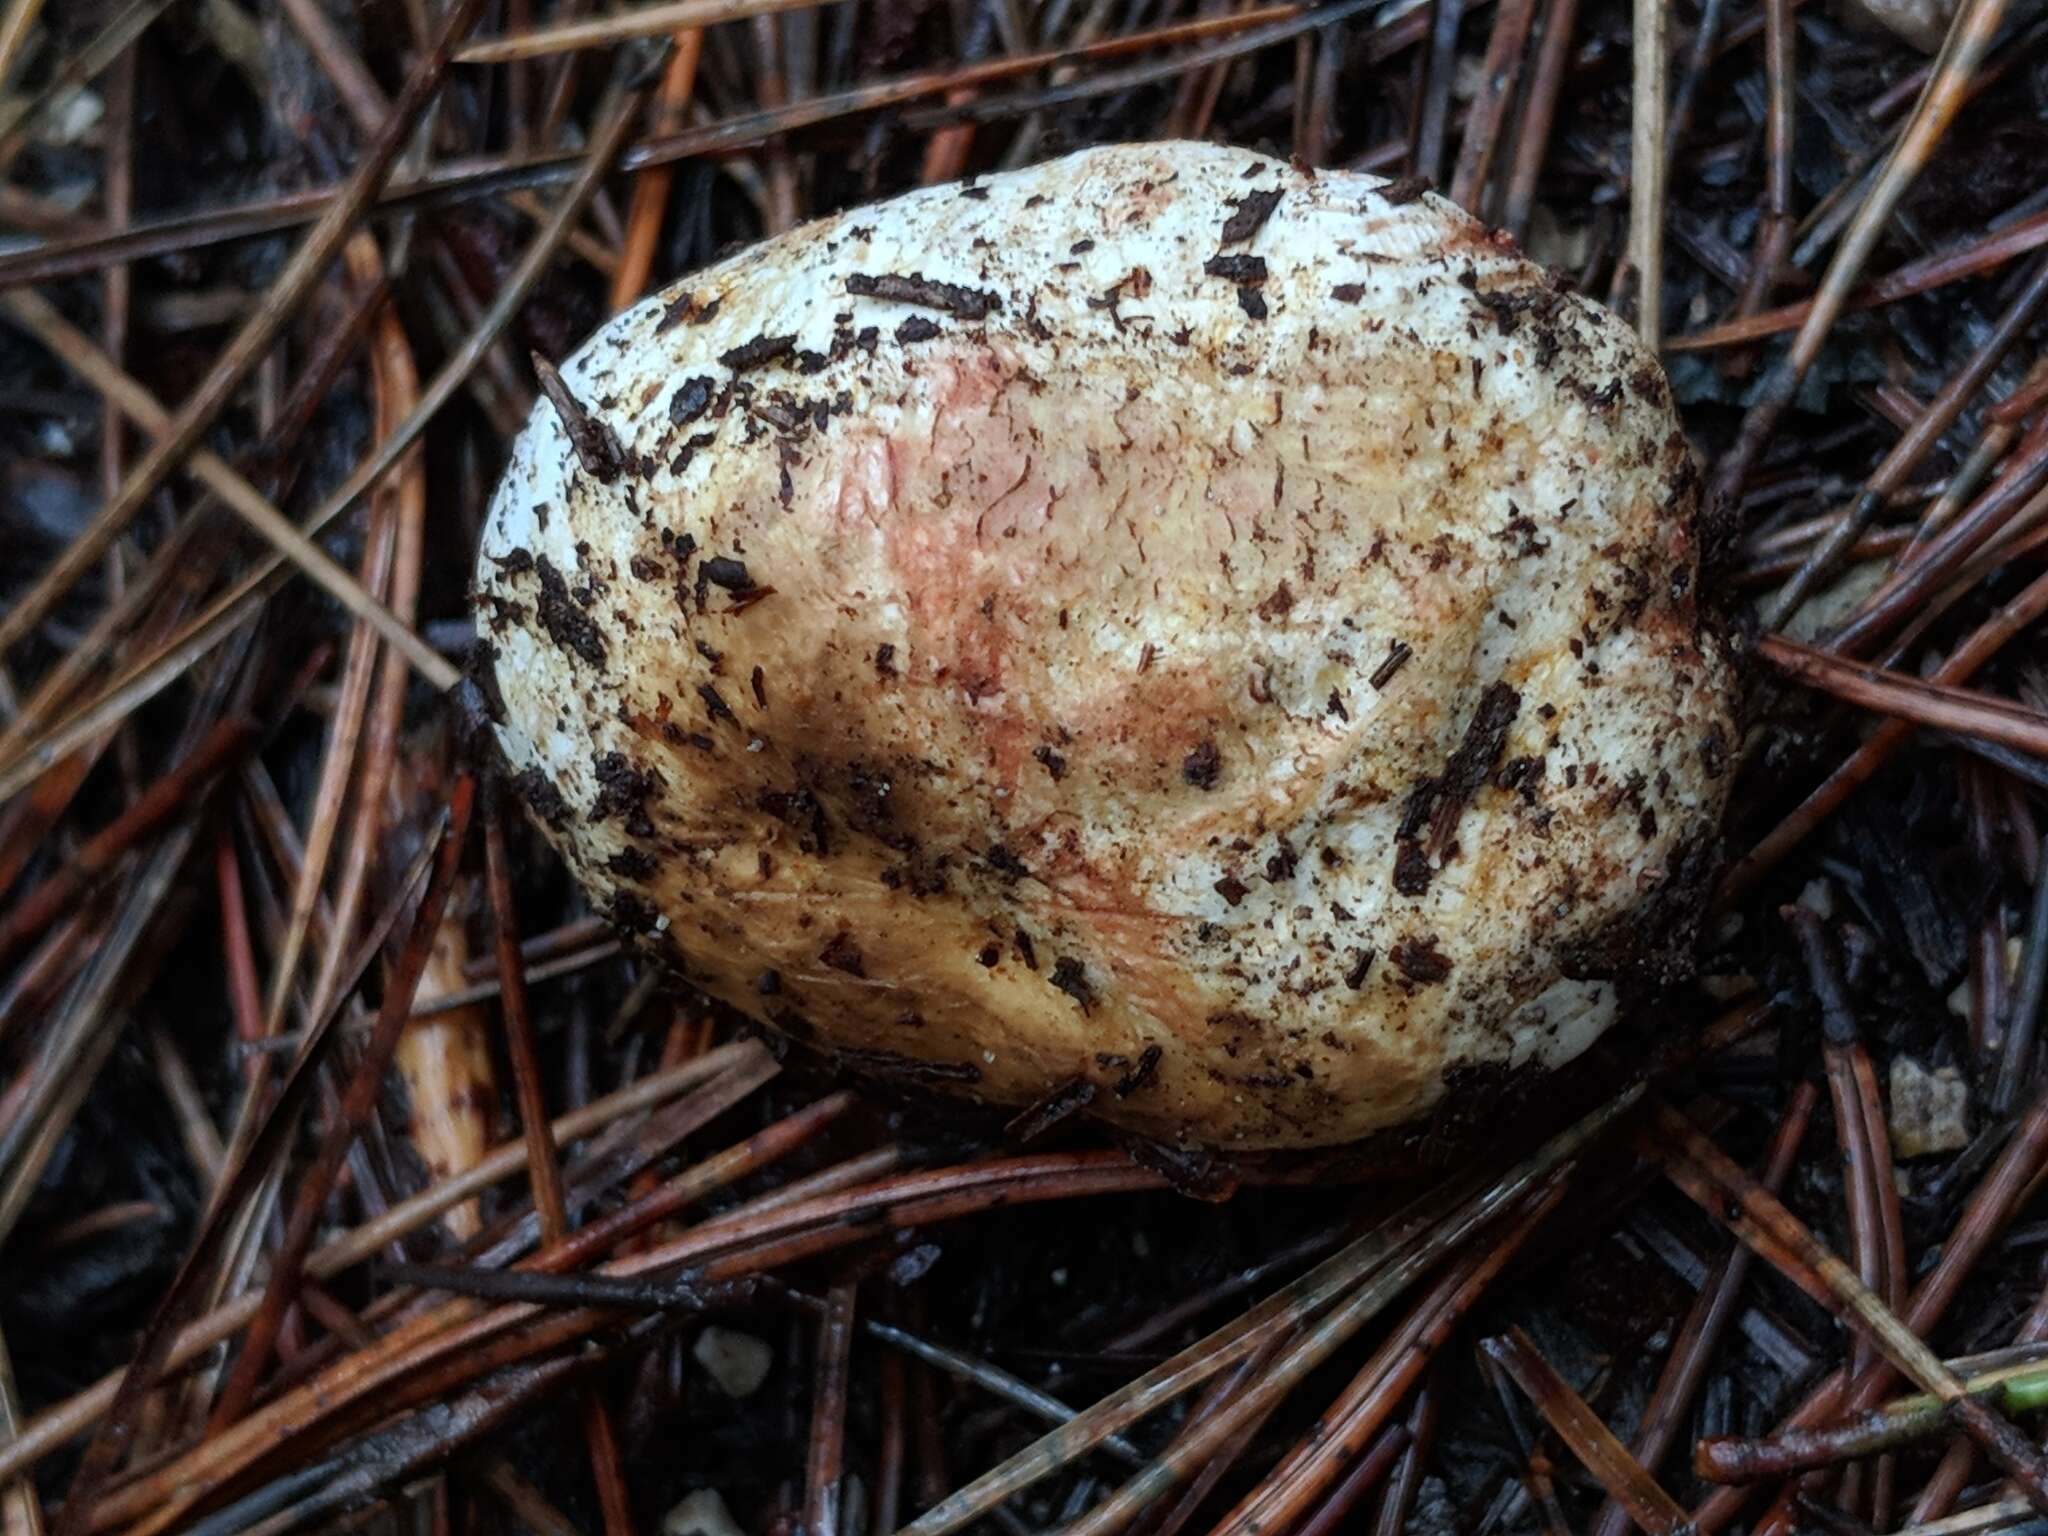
x: 825, y: 1466
x: 1969, y: 39
x: 146, y: 678
x: 1358, y: 1416
x: 497, y: 175
x: 1990, y: 637
x: 1359, y: 1281
x: 166, y: 797
x: 41, y: 319
x: 1501, y: 69
x: 309, y: 262
x: 54, y: 1426
x: 651, y: 187
x: 1756, y: 1216
x: 1962, y: 710
x: 1652, y: 1509
x: 1972, y: 259
x: 21, y: 1509
x: 1914, y: 445
x: 1685, y: 1370
x: 357, y: 1104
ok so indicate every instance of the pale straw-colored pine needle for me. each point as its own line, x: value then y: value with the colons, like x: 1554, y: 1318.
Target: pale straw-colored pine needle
x: 1646, y: 169
x: 624, y: 26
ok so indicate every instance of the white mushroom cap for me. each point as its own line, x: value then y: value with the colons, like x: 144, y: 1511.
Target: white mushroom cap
x: 1160, y: 626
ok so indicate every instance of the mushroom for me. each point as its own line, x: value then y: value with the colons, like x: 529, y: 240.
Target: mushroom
x: 1162, y: 634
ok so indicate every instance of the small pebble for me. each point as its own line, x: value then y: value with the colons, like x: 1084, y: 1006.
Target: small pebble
x: 1930, y: 1110
x: 1923, y: 23
x: 702, y: 1513
x: 737, y: 1362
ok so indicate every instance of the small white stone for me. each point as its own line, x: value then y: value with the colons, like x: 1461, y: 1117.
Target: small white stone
x: 702, y: 1513
x: 737, y: 1362
x: 1836, y: 601
x: 1930, y: 1110
x: 72, y: 118
x: 1964, y: 998
x: 1960, y: 997
x: 1922, y: 23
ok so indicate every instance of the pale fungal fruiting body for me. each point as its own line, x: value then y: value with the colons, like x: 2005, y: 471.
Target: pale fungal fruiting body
x: 1162, y: 633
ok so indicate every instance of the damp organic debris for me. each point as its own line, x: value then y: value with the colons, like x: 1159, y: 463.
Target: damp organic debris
x: 1033, y: 767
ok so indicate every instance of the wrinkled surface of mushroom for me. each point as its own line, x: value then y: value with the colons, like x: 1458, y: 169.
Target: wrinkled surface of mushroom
x: 1160, y: 632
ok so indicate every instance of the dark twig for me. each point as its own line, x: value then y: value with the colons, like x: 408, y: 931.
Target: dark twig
x: 1697, y: 57
x: 2016, y: 1389
x: 1428, y: 158
x: 1775, y: 225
